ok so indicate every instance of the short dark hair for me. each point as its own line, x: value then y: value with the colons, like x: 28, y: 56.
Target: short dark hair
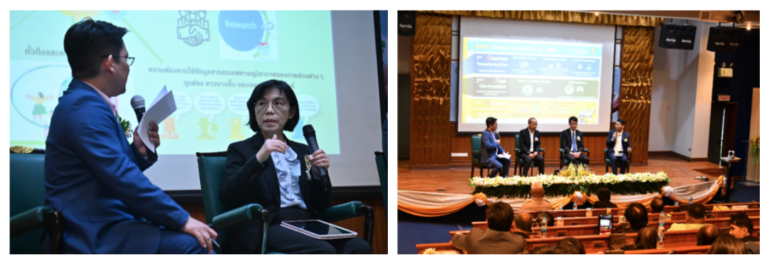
x: 741, y: 220
x: 545, y: 249
x: 258, y: 93
x: 636, y: 215
x: 522, y: 224
x: 603, y: 194
x: 621, y: 121
x: 489, y: 121
x: 697, y: 211
x: 646, y: 238
x: 572, y: 119
x: 707, y: 235
x: 571, y: 243
x: 87, y: 41
x: 550, y: 218
x: 500, y: 216
x: 531, y: 119
x: 657, y: 205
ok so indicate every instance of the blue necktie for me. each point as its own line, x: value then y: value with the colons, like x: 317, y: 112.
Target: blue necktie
x: 573, y: 138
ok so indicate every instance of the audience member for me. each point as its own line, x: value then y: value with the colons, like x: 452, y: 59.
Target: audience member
x: 604, y: 197
x: 537, y: 202
x: 522, y: 225
x: 637, y: 216
x: 741, y: 227
x: 646, y: 239
x: 727, y: 244
x: 571, y: 245
x: 546, y: 249
x: 694, y: 218
x: 497, y: 239
x: 657, y: 205
x: 707, y: 235
x: 550, y: 218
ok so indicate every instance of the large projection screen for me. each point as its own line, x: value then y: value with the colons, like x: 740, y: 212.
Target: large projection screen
x: 514, y: 70
x: 212, y: 60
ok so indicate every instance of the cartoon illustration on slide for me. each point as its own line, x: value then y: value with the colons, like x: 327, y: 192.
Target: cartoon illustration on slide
x: 237, y: 129
x: 248, y: 35
x: 192, y: 27
x: 169, y: 129
x: 204, y: 126
x: 39, y: 110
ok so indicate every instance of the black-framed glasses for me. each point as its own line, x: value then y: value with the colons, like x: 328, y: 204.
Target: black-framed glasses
x: 128, y: 59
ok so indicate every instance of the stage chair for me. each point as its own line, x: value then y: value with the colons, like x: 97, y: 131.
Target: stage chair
x: 608, y: 160
x: 564, y: 161
x: 211, y: 168
x: 476, y: 146
x: 520, y: 161
x: 28, y: 213
x: 381, y: 166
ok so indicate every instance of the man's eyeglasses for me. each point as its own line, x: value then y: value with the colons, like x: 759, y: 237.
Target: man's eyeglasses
x: 128, y: 59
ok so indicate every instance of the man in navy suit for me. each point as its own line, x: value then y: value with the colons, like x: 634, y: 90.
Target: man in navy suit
x: 490, y: 149
x: 529, y: 146
x: 571, y: 142
x: 93, y: 176
x: 618, y: 147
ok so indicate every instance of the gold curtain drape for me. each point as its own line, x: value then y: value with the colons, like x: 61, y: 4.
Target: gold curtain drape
x: 635, y: 95
x: 431, y: 92
x: 561, y: 16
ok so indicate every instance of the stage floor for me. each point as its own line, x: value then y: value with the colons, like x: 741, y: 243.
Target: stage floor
x: 456, y: 179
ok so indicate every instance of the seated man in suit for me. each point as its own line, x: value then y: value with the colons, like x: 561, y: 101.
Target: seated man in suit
x: 497, y: 238
x: 741, y: 227
x: 571, y: 142
x: 657, y: 205
x: 694, y: 218
x: 537, y: 202
x: 529, y: 147
x: 490, y: 149
x: 707, y: 235
x: 637, y: 216
x: 618, y: 145
x: 604, y: 198
x: 93, y: 176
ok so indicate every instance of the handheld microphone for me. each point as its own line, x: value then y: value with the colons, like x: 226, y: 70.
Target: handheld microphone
x: 309, y: 134
x: 137, y: 102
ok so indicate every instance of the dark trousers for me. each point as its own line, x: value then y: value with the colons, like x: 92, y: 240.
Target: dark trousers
x: 175, y: 242
x: 538, y: 160
x: 621, y: 161
x: 500, y: 165
x: 582, y: 159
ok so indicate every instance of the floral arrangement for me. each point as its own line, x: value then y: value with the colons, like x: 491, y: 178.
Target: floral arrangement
x: 430, y: 251
x: 125, y: 125
x: 573, y: 172
x: 520, y: 187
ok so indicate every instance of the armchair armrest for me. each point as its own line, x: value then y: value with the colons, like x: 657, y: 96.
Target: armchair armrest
x: 342, y: 211
x: 237, y: 216
x: 29, y: 220
x: 585, y: 150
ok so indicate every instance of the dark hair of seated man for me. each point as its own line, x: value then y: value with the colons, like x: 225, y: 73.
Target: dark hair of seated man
x: 646, y: 238
x: 546, y: 249
x: 500, y: 216
x: 550, y: 218
x: 741, y: 225
x: 707, y: 235
x: 637, y: 216
x: 696, y: 213
x: 571, y: 245
x: 657, y: 205
x: 604, y: 197
x: 727, y: 244
x: 523, y: 222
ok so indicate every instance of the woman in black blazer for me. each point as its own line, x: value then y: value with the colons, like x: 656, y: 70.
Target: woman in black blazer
x: 280, y: 175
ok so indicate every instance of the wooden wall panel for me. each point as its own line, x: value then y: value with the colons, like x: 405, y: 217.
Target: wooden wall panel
x: 431, y: 92
x: 636, y: 79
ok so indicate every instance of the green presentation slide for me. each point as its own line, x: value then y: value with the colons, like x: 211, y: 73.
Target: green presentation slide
x: 210, y: 60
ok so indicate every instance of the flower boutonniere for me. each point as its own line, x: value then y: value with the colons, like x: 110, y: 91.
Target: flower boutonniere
x: 308, y: 165
x: 126, y: 126
x: 536, y: 139
x: 625, y: 140
x: 578, y: 138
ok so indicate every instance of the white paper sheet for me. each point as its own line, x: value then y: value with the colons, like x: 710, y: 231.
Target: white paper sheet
x: 163, y: 106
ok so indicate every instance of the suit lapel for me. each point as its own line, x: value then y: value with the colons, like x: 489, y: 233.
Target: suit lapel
x: 303, y: 177
x: 270, y: 174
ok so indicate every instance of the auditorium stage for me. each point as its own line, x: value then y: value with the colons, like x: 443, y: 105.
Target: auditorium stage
x: 441, y: 192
